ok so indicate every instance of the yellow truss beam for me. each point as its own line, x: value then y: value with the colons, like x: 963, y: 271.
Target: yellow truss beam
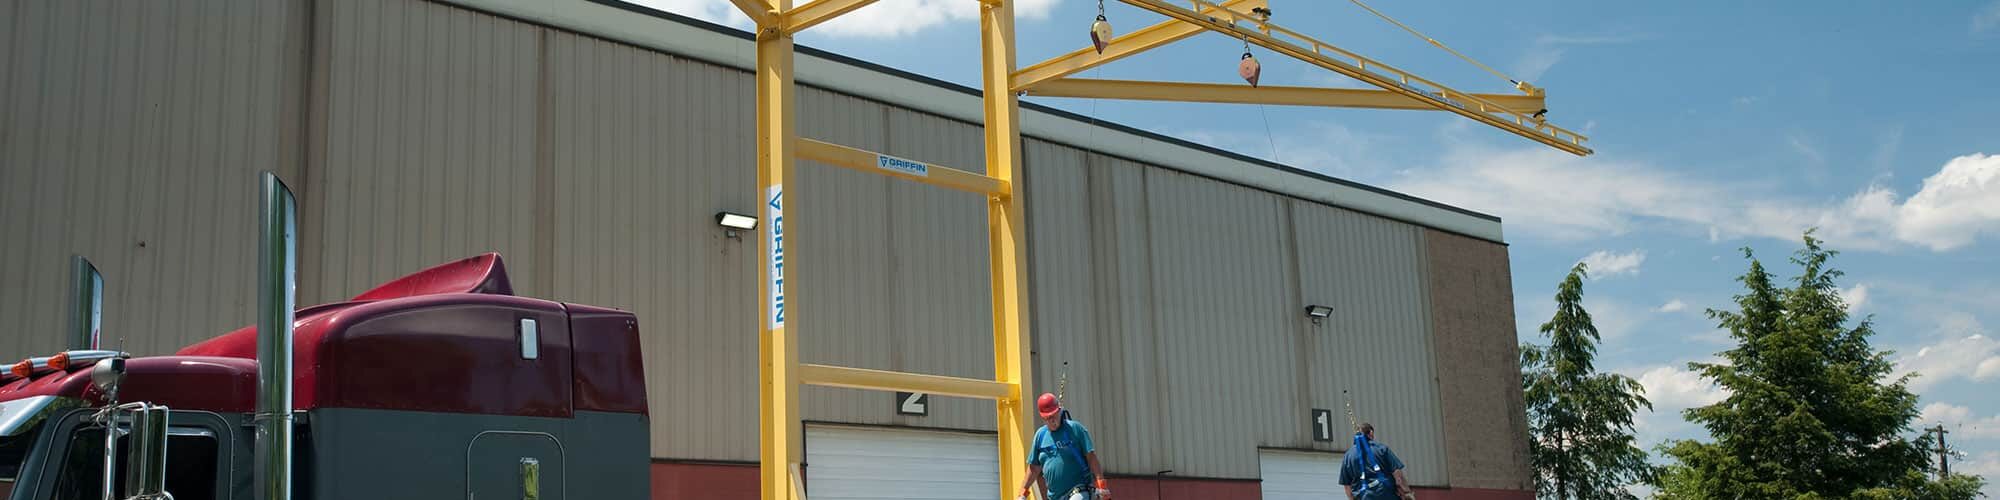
x: 1264, y: 34
x: 881, y: 380
x: 927, y: 173
x: 760, y: 11
x: 819, y: 11
x: 1007, y: 243
x: 781, y: 439
x: 1120, y: 47
x: 1245, y: 94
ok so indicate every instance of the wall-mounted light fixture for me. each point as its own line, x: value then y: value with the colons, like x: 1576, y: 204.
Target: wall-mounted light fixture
x: 733, y: 223
x: 1318, y: 312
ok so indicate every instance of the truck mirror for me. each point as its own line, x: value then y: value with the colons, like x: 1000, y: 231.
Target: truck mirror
x: 146, y: 466
x: 106, y: 374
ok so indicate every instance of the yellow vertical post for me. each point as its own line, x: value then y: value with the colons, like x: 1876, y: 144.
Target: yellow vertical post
x: 781, y: 445
x: 1006, y: 220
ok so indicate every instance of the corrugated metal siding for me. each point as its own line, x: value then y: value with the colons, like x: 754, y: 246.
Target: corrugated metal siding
x: 1219, y: 271
x: 597, y: 167
x: 131, y: 133
x: 1176, y: 300
x: 1377, y: 344
x: 646, y: 148
x: 1092, y: 297
x: 840, y: 249
x: 895, y: 276
x: 429, y: 139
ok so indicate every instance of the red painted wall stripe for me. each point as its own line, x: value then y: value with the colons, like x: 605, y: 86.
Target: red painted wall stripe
x: 681, y: 481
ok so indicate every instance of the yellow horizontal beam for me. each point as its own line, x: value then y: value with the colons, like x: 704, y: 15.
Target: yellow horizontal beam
x: 809, y: 15
x: 1245, y: 94
x: 1370, y: 72
x: 759, y: 11
x: 1120, y: 47
x: 881, y: 380
x: 869, y: 161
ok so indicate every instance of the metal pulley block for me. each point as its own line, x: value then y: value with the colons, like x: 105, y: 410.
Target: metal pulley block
x: 1249, y: 68
x: 1100, y: 33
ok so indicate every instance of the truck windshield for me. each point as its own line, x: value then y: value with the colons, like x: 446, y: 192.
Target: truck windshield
x: 13, y: 450
x: 190, y: 466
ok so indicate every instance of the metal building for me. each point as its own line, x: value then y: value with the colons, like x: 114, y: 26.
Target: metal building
x: 593, y: 144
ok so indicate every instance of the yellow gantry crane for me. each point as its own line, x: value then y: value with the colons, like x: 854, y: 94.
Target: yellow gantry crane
x: 781, y: 374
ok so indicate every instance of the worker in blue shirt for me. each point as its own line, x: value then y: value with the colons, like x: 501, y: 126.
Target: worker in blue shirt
x: 1369, y: 471
x: 1062, y: 459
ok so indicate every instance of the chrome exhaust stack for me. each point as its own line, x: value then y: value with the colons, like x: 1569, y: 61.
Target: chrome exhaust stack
x: 86, y: 309
x: 277, y: 272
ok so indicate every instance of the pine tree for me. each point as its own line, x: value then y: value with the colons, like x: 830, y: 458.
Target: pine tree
x: 1812, y: 410
x: 1580, y: 421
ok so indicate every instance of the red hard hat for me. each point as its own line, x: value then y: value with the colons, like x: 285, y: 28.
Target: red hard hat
x: 1047, y: 406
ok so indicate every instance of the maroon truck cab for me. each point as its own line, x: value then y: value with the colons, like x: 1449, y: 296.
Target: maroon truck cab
x: 439, y: 384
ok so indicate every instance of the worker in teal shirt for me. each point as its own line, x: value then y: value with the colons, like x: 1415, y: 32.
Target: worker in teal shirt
x: 1371, y: 471
x: 1062, y: 459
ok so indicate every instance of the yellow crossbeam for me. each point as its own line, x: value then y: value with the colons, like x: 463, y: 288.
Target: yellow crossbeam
x: 1245, y: 94
x: 1120, y: 47
x: 759, y: 11
x: 809, y: 15
x: 869, y: 161
x: 882, y: 380
x: 1371, y: 72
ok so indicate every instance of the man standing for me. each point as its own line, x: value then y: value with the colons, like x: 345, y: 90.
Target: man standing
x: 1370, y: 471
x: 1062, y: 459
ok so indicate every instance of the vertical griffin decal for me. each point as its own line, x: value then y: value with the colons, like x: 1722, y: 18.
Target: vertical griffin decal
x: 774, y: 211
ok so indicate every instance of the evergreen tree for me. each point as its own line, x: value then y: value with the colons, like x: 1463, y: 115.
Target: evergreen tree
x: 1812, y: 410
x: 1579, y: 420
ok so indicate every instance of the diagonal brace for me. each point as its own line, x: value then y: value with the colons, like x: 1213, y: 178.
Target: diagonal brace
x: 1245, y: 94
x: 809, y: 15
x: 1395, y: 80
x: 760, y: 11
x: 1121, y: 47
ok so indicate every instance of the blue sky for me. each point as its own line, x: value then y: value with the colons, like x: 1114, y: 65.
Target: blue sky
x: 1718, y: 126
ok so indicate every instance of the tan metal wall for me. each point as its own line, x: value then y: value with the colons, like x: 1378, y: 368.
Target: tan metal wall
x: 433, y: 132
x: 130, y: 132
x: 1177, y: 301
x: 634, y: 229
x: 424, y: 145
x: 1377, y: 343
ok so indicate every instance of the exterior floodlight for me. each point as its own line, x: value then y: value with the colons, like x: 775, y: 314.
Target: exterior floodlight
x: 1318, y: 312
x: 736, y: 221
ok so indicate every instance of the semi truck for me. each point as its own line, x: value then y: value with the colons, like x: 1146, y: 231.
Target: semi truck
x: 439, y: 384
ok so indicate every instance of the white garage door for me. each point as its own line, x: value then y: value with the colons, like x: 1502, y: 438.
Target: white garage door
x: 857, y: 462
x: 1298, y: 475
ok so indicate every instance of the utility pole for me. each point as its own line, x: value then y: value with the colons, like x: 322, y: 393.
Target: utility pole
x: 1944, y: 466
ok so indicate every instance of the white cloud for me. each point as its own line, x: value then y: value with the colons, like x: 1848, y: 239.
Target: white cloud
x: 714, y: 11
x: 1572, y: 198
x: 1614, y: 320
x: 1985, y: 464
x: 1955, y: 205
x: 1675, y: 305
x: 1987, y: 18
x: 1886, y: 147
x: 1805, y: 147
x: 1549, y: 50
x: 883, y: 19
x: 1605, y: 264
x: 1966, y: 353
x: 1855, y: 297
x: 1673, y: 387
x: 1961, y: 422
x: 1324, y: 147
